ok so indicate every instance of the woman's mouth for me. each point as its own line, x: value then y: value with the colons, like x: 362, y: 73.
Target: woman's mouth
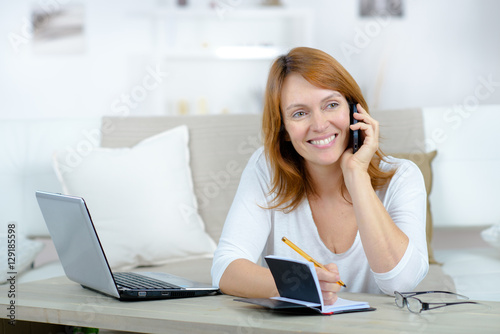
x: 323, y: 142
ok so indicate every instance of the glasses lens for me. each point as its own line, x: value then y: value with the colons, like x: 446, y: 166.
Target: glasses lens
x: 400, y: 301
x: 414, y: 305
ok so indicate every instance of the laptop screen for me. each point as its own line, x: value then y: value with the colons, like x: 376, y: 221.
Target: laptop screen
x: 76, y: 241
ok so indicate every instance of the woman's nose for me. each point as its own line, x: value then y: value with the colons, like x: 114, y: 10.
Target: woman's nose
x: 319, y: 121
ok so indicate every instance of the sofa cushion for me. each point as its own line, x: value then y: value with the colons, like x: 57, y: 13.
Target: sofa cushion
x: 402, y: 135
x: 475, y: 271
x: 436, y: 280
x: 492, y: 235
x: 220, y: 146
x: 423, y: 161
x: 141, y: 200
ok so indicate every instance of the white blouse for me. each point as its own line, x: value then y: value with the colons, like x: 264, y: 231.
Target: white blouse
x: 251, y: 231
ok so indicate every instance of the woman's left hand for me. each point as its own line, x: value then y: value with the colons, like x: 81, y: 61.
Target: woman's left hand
x: 369, y: 134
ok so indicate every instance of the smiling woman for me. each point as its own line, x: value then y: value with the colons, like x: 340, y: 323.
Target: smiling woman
x: 316, y: 71
x: 362, y: 214
x: 318, y: 126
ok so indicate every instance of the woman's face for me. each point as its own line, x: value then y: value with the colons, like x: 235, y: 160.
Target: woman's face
x: 316, y: 120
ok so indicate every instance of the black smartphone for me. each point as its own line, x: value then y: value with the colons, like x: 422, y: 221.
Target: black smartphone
x: 354, y: 134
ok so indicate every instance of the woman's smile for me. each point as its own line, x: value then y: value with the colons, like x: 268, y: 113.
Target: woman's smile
x: 323, y: 143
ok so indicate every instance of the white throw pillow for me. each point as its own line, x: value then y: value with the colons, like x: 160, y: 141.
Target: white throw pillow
x: 141, y: 199
x: 492, y: 235
x: 24, y: 252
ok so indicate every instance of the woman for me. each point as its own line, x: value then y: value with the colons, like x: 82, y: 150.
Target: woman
x: 362, y: 214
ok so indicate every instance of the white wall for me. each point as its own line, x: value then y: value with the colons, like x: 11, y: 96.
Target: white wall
x: 466, y: 183
x: 436, y: 55
x: 433, y: 56
x: 442, y: 54
x: 80, y: 84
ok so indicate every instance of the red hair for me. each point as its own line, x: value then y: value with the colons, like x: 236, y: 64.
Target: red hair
x: 290, y: 182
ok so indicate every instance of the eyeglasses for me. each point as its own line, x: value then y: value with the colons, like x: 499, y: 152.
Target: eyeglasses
x: 415, y: 305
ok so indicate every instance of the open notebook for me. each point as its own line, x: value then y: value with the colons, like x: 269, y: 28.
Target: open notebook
x: 299, y: 289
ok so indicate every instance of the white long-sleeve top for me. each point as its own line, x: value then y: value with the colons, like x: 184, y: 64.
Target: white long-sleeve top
x: 251, y: 231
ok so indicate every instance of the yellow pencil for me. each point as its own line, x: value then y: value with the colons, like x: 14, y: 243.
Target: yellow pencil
x: 307, y: 257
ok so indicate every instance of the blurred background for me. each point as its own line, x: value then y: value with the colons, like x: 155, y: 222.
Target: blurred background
x: 161, y: 57
x: 429, y: 69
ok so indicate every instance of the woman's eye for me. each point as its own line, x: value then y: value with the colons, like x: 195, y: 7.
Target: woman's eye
x: 298, y: 114
x: 332, y: 105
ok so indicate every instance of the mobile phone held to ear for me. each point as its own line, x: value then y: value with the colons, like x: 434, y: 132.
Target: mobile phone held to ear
x: 354, y: 134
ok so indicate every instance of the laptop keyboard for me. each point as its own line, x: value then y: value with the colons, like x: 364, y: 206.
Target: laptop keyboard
x: 129, y: 280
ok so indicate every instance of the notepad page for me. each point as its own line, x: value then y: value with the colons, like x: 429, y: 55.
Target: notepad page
x: 344, y: 305
x: 340, y: 305
x: 296, y: 301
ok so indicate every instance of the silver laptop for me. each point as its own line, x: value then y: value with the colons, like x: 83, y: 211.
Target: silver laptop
x: 82, y: 256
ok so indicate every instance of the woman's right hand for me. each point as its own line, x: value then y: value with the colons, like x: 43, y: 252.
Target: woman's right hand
x: 328, y: 283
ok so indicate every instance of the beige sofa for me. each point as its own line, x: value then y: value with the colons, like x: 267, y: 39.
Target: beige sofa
x: 219, y: 146
x: 219, y: 141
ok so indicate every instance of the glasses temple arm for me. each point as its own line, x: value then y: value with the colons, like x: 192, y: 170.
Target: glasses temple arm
x: 426, y: 306
x: 416, y: 293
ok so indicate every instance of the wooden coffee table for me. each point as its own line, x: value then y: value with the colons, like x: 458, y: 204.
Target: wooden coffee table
x: 43, y: 305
